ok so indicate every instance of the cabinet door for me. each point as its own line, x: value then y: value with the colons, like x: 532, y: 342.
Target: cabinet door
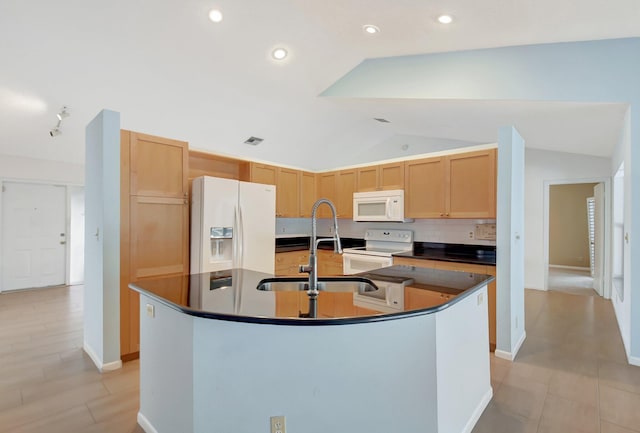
x: 367, y: 178
x: 158, y: 243
x: 472, y: 185
x: 158, y: 166
x: 425, y: 188
x: 346, y: 186
x: 262, y: 173
x: 421, y: 298
x: 287, y: 193
x: 307, y: 193
x: 391, y: 176
x: 326, y: 189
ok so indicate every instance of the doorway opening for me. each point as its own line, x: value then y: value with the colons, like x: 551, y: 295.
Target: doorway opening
x: 576, y: 238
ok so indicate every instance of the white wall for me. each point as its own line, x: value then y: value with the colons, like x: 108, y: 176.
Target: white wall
x: 622, y: 304
x: 17, y: 167
x: 541, y: 166
x: 76, y: 234
x: 102, y: 241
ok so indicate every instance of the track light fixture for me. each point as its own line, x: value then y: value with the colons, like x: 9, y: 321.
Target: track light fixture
x: 62, y: 114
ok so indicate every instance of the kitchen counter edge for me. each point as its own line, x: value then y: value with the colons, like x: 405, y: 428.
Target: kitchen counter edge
x: 290, y: 321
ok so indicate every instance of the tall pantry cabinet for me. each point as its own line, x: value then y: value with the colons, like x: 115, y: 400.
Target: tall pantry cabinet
x: 154, y: 227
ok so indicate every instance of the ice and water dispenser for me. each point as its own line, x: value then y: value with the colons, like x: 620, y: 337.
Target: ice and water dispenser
x: 221, y: 245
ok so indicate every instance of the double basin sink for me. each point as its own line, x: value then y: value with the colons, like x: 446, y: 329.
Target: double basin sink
x: 325, y: 284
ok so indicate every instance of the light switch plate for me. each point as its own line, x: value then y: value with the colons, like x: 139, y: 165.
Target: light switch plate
x: 151, y: 311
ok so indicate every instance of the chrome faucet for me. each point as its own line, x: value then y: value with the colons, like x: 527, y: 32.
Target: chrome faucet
x: 312, y: 267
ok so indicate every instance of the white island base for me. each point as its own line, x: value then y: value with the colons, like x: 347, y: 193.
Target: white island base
x: 420, y: 373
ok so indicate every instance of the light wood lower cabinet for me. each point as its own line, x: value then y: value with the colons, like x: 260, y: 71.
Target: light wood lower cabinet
x: 460, y: 267
x: 287, y: 264
x: 419, y: 297
x: 329, y: 263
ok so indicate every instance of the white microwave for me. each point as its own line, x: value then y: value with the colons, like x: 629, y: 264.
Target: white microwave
x: 379, y: 206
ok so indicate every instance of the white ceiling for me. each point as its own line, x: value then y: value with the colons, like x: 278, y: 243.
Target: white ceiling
x: 170, y: 71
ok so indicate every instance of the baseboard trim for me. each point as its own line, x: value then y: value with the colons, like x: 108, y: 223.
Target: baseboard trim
x: 109, y: 366
x: 575, y: 268
x: 510, y: 356
x: 145, y: 424
x: 634, y: 360
x: 477, y: 413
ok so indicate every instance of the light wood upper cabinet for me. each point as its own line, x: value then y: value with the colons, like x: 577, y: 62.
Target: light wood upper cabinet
x: 326, y: 188
x: 425, y: 188
x: 368, y: 178
x: 158, y: 166
x: 287, y: 193
x: 262, y: 173
x: 455, y: 186
x: 307, y: 193
x: 381, y: 177
x: 346, y: 186
x: 472, y: 184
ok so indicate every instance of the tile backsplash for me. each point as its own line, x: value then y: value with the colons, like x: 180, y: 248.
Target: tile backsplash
x: 452, y: 231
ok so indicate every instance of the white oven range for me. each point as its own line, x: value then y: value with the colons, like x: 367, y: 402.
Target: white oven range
x: 380, y: 245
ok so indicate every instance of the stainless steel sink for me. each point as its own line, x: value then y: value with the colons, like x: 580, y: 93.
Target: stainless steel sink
x: 326, y: 284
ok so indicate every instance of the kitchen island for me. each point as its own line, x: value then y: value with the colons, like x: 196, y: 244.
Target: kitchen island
x: 218, y: 355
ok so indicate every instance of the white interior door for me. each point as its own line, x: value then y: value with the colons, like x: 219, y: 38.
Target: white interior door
x: 598, y: 239
x: 33, y: 235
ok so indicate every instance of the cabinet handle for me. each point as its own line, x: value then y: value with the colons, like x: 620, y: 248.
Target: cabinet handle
x: 441, y: 214
x: 447, y: 214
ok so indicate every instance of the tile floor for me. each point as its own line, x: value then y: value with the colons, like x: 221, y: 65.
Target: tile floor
x: 571, y: 374
x: 575, y: 281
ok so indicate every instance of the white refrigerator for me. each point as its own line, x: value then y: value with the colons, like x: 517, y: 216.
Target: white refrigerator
x: 233, y: 225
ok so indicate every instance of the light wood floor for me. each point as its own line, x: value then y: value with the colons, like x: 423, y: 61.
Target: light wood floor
x: 47, y: 382
x: 571, y: 375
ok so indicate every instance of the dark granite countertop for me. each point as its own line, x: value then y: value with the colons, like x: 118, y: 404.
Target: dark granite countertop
x: 472, y: 254
x: 232, y: 295
x: 302, y: 243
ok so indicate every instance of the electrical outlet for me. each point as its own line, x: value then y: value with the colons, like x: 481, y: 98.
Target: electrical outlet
x: 471, y: 234
x: 278, y: 424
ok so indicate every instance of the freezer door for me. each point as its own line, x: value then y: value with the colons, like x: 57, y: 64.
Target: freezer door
x: 257, y: 216
x: 213, y: 203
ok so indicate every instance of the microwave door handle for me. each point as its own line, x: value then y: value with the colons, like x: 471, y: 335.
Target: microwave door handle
x: 388, y: 208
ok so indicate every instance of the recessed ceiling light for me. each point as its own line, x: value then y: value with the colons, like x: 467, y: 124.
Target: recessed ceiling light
x: 279, y: 53
x: 445, y: 19
x: 370, y: 29
x: 215, y: 15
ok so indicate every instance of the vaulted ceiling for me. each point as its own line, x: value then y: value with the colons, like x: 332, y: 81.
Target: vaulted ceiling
x: 170, y: 71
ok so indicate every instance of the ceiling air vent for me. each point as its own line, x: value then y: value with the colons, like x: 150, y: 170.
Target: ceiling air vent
x: 381, y: 120
x: 254, y: 141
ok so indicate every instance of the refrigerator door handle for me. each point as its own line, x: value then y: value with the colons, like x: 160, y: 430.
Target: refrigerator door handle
x: 241, y: 238
x: 236, y: 235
